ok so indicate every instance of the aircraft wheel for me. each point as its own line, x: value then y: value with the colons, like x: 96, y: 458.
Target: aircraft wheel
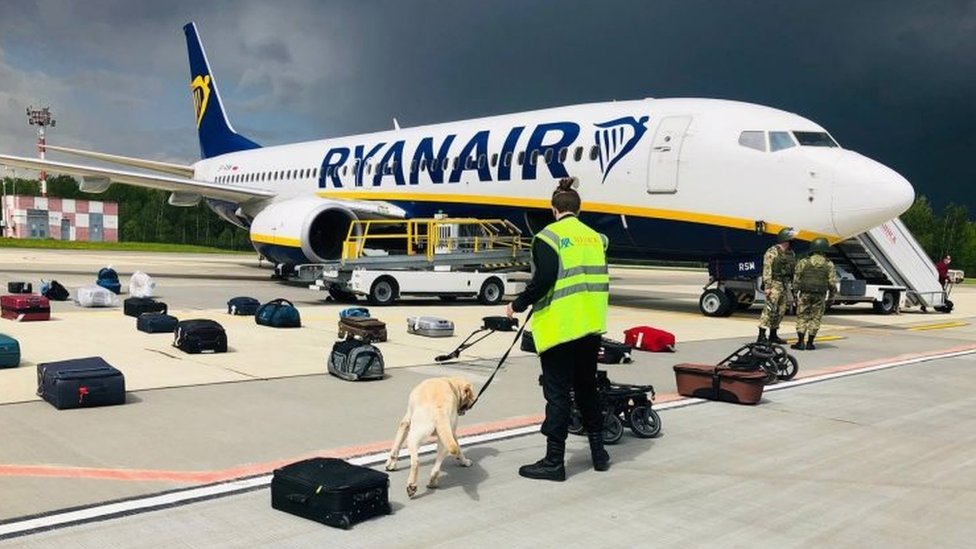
x: 715, y: 303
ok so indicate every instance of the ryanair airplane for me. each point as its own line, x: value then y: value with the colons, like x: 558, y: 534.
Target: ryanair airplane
x: 678, y: 179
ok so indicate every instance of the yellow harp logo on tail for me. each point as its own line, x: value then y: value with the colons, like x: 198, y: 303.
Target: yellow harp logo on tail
x: 200, y: 87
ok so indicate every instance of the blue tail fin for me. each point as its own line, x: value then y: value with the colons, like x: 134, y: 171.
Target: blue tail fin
x: 217, y: 136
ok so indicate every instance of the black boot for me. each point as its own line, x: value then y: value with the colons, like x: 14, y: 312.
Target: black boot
x: 773, y: 338
x: 810, y: 345
x: 601, y: 459
x: 799, y: 342
x: 762, y: 336
x: 550, y: 467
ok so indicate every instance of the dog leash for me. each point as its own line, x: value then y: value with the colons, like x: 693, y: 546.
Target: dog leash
x: 501, y: 361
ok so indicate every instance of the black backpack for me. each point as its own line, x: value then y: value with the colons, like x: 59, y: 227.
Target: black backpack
x: 55, y: 291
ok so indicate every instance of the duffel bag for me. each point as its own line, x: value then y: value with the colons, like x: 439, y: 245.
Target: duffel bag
x: 354, y: 360
x: 278, y: 313
x: 651, y: 339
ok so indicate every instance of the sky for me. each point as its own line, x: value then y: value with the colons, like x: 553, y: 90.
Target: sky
x: 894, y: 79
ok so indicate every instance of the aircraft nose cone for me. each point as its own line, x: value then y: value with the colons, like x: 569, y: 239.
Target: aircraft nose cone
x: 866, y: 194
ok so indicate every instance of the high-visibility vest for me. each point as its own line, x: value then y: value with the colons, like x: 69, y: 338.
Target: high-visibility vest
x: 577, y: 304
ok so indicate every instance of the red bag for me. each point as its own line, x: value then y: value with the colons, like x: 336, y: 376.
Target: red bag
x: 646, y: 338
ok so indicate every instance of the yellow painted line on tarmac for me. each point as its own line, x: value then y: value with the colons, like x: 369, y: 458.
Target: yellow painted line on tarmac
x: 939, y: 326
x: 820, y: 339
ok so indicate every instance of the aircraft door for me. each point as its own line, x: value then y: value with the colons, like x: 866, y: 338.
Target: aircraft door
x: 662, y: 173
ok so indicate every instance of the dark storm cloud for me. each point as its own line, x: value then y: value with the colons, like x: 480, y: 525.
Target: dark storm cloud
x: 894, y: 79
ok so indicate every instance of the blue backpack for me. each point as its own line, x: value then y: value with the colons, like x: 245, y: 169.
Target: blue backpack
x: 109, y: 279
x: 354, y: 312
x: 278, y: 313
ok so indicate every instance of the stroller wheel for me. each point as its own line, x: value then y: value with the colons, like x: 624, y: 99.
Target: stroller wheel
x: 644, y: 422
x: 613, y: 429
x: 576, y: 422
x: 788, y: 367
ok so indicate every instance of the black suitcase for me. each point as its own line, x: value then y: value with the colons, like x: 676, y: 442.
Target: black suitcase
x: 330, y: 491
x: 80, y: 383
x: 156, y: 323
x: 20, y: 287
x: 243, y: 305
x: 199, y: 336
x: 135, y: 306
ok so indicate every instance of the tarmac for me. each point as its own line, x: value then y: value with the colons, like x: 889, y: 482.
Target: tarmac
x: 871, y: 445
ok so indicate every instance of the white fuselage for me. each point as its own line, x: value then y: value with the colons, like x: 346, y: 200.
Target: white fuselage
x: 653, y: 165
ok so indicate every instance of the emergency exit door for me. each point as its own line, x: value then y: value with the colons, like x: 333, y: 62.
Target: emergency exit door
x: 663, y: 166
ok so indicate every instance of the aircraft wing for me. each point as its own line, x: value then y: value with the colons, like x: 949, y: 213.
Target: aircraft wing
x: 154, y: 165
x: 95, y: 179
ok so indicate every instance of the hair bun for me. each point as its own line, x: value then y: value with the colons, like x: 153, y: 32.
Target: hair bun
x: 568, y: 184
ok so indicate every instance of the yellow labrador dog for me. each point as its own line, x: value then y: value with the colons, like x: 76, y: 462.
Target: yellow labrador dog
x: 433, y: 407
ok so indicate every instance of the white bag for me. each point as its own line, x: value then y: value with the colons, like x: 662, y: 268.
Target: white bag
x: 95, y: 296
x: 141, y: 285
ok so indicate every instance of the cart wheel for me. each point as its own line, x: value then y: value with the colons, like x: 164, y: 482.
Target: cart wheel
x: 788, y: 367
x: 613, y: 429
x: 644, y: 422
x: 384, y: 291
x: 492, y: 292
x: 576, y: 422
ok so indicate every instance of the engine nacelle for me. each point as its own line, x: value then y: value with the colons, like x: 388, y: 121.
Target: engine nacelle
x: 301, y: 230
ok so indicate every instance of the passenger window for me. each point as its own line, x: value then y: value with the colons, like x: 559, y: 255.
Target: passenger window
x: 533, y: 158
x: 578, y: 154
x: 521, y: 158
x: 753, y: 140
x: 494, y: 160
x: 548, y: 155
x: 482, y: 161
x: 780, y: 140
x: 435, y: 164
x: 594, y: 152
x: 469, y: 162
x: 562, y: 154
x: 457, y: 160
x: 507, y: 160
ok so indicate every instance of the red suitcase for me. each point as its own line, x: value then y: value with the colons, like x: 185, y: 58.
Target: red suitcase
x: 719, y: 383
x: 25, y: 307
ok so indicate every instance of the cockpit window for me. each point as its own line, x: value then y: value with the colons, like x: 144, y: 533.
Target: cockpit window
x: 753, y: 140
x: 780, y: 140
x: 815, y: 139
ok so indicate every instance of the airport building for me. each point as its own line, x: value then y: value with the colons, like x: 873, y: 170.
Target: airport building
x: 60, y: 218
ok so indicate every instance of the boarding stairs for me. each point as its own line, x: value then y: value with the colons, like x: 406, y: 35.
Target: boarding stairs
x: 888, y: 255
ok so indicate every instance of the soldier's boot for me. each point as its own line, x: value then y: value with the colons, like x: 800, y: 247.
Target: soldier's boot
x: 810, y: 345
x: 550, y: 467
x: 773, y: 338
x: 799, y: 342
x: 762, y: 336
x: 600, y: 457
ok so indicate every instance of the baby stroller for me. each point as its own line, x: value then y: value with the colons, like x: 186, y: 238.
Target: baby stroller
x: 771, y: 359
x: 624, y: 405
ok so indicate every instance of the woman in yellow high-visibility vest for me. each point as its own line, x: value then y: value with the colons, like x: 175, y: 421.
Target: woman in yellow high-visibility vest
x: 569, y: 293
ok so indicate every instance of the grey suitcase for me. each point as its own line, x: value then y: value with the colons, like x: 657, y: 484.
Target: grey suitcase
x: 430, y: 326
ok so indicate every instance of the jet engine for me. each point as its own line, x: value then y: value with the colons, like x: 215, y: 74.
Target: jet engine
x: 315, y: 226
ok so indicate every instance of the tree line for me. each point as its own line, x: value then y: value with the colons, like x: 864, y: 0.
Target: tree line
x: 144, y: 215
x: 951, y: 232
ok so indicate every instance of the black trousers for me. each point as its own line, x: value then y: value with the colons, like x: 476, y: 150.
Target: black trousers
x: 565, y: 367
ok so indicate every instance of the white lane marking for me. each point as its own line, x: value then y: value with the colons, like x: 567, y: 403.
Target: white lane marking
x: 189, y: 495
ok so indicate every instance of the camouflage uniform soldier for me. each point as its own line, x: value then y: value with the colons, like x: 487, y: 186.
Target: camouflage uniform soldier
x: 778, y: 265
x: 814, y: 280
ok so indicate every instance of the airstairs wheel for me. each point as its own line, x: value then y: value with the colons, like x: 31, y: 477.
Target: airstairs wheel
x: 715, y: 303
x: 888, y: 304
